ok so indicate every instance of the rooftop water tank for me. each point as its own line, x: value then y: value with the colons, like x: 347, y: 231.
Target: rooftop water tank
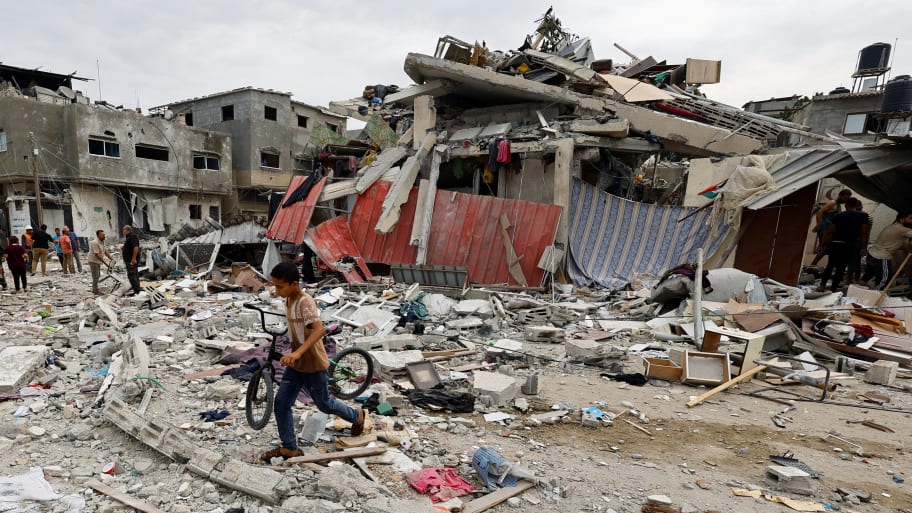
x: 897, y: 95
x: 840, y: 90
x: 875, y: 56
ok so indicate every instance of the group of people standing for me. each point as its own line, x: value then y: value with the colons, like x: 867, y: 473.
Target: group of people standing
x: 843, y: 232
x: 36, y: 246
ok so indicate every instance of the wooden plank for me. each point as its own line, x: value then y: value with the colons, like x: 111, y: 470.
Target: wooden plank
x: 338, y: 455
x: 494, y: 498
x: 746, y: 376
x: 512, y: 260
x: 379, y: 167
x: 427, y: 214
x: 896, y: 274
x: 123, y: 498
x: 399, y: 192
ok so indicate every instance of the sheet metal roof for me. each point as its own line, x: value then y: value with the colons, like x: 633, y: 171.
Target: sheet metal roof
x: 332, y: 241
x: 805, y: 169
x: 244, y: 233
x: 465, y: 231
x: 290, y: 223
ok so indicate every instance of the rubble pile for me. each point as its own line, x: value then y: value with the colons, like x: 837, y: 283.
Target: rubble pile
x: 559, y: 387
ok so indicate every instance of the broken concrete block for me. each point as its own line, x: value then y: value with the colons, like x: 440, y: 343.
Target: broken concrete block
x: 470, y: 322
x: 882, y: 372
x: 480, y: 307
x: 499, y: 387
x: 18, y: 364
x: 313, y: 427
x: 582, y: 348
x: 531, y: 387
x: 388, y: 342
x: 544, y: 334
x: 790, y: 479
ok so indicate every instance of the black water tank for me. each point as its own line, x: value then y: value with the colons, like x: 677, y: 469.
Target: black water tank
x: 840, y: 90
x: 873, y: 57
x: 897, y: 95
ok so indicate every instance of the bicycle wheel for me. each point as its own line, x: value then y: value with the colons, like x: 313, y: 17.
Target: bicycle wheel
x: 350, y: 373
x: 260, y: 398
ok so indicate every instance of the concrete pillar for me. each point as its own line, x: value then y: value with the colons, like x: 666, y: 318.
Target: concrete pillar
x: 425, y: 119
x: 563, y: 169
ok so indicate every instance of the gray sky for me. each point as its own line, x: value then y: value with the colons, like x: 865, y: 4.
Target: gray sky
x: 323, y: 50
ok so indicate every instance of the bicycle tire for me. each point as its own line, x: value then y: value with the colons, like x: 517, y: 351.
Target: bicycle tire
x: 260, y: 398
x: 350, y: 373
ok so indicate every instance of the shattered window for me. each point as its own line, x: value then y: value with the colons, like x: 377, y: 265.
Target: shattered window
x: 271, y: 113
x: 854, y: 124
x: 151, y: 152
x: 227, y: 112
x: 268, y: 159
x: 302, y: 121
x: 104, y: 148
x: 2, y: 140
x: 196, y: 211
x: 206, y: 161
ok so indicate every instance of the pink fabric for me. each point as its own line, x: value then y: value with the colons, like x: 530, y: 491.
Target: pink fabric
x: 503, y: 152
x: 440, y: 484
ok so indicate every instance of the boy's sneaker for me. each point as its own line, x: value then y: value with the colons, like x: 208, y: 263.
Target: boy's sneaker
x: 358, y: 426
x: 279, y: 452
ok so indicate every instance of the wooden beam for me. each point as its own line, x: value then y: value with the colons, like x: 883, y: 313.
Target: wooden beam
x: 427, y: 212
x: 512, y: 260
x: 494, y: 498
x: 745, y: 376
x: 338, y: 455
x: 563, y: 168
x: 378, y: 167
x: 431, y: 88
x: 399, y: 193
x: 337, y: 190
x: 123, y: 498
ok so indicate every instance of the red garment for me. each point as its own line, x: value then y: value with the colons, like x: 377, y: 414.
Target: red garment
x: 440, y: 484
x: 66, y: 245
x: 15, y: 257
x: 863, y: 329
x: 503, y: 152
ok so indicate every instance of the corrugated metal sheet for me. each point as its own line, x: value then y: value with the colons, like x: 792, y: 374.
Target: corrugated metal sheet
x: 332, y: 241
x: 806, y: 169
x: 290, y: 223
x: 465, y: 231
x: 435, y: 275
x: 244, y: 233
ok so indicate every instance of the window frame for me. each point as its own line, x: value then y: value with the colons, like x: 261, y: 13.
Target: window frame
x: 188, y: 118
x: 106, y: 144
x: 207, y: 157
x: 306, y: 121
x: 267, y: 109
x: 864, y: 123
x: 199, y: 211
x: 278, y: 157
x: 152, y: 147
x: 4, y: 142
x: 228, y: 115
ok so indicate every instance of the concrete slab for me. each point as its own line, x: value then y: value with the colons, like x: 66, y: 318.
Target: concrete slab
x: 499, y: 387
x: 581, y: 348
x: 18, y: 364
x: 480, y: 307
x: 790, y: 479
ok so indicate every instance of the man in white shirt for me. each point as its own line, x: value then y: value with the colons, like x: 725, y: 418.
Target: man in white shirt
x: 97, y: 254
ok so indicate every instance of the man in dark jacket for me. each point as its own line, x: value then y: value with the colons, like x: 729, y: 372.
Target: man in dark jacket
x: 41, y: 241
x: 847, y: 233
x: 131, y: 257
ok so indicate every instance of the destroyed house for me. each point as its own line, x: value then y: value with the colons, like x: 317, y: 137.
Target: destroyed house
x: 270, y: 138
x: 96, y: 166
x: 514, y: 156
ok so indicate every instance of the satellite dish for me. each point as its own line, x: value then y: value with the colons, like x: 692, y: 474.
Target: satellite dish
x: 66, y: 92
x: 169, y: 115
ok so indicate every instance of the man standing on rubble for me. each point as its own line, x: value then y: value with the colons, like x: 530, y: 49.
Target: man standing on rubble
x: 824, y: 218
x: 131, y: 257
x: 305, y: 366
x: 41, y: 241
x: 892, y: 243
x: 848, y: 233
x: 77, y: 247
x: 97, y: 254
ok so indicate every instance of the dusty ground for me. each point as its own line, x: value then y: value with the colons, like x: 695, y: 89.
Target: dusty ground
x: 695, y: 456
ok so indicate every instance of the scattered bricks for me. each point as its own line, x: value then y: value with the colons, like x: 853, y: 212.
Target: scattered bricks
x: 500, y: 388
x: 388, y: 342
x: 790, y: 479
x: 544, y: 334
x: 882, y: 372
x: 156, y: 434
x: 581, y: 349
x: 253, y: 480
x: 18, y: 364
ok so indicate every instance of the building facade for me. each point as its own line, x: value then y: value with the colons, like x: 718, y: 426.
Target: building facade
x: 95, y: 166
x: 271, y: 138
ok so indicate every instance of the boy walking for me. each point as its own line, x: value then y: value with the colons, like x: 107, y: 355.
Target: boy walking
x: 305, y: 366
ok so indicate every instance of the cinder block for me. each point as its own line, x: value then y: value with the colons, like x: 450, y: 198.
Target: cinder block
x: 18, y: 364
x: 581, y: 348
x: 499, y: 387
x: 790, y: 479
x: 882, y: 372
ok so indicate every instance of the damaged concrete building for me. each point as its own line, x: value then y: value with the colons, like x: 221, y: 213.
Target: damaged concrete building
x: 270, y: 139
x: 97, y: 166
